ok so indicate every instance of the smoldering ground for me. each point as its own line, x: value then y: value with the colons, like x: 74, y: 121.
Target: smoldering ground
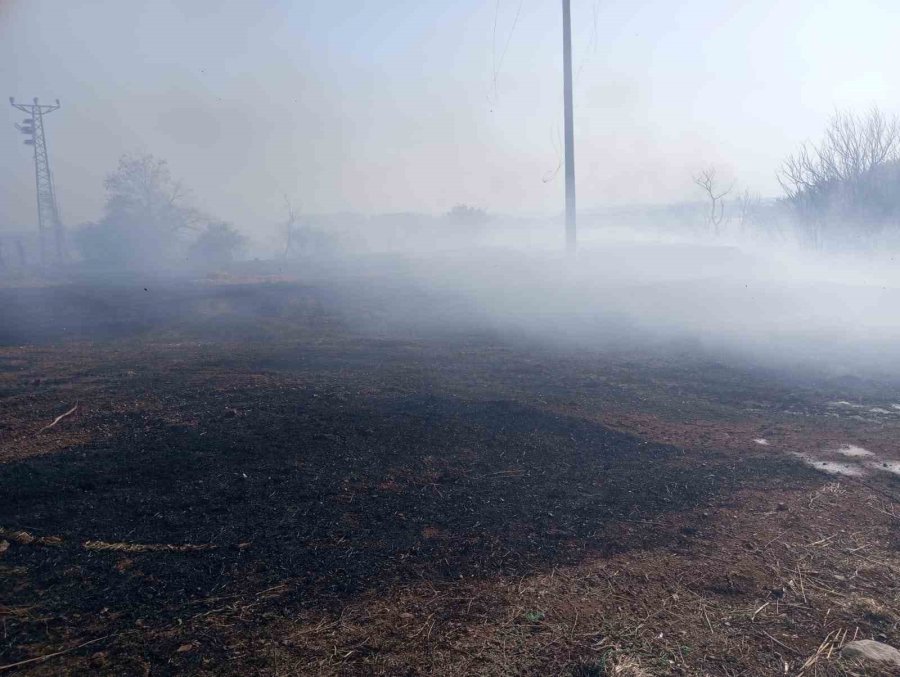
x: 258, y: 452
x: 748, y: 303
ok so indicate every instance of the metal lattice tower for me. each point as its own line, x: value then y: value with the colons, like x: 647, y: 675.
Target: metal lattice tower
x: 49, y: 223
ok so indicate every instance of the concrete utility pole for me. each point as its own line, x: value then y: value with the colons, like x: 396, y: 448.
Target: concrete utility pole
x: 570, y: 132
x: 48, y: 211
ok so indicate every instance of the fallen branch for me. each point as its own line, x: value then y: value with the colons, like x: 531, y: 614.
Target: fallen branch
x: 147, y: 547
x: 753, y: 617
x: 781, y: 644
x: 825, y: 648
x: 58, y: 419
x: 24, y: 538
x: 10, y: 666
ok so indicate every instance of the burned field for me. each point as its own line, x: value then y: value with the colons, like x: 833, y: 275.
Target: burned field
x: 252, y: 483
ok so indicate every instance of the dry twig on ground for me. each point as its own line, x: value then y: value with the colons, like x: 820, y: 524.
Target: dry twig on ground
x: 58, y: 419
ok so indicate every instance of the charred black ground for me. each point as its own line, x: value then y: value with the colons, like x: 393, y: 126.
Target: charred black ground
x: 254, y: 420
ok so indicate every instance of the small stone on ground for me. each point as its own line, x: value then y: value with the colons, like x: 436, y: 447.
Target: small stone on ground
x: 871, y: 651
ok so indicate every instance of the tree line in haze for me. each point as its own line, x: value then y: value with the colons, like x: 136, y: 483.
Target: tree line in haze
x: 841, y: 192
x: 148, y: 221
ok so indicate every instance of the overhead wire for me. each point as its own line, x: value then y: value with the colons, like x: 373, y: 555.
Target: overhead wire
x: 497, y: 64
x: 592, y: 43
x: 555, y: 136
x: 556, y: 140
x: 497, y: 68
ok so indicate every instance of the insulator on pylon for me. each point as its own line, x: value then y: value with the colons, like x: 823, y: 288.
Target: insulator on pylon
x: 29, y: 142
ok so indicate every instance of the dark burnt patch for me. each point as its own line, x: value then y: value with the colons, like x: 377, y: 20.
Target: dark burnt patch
x: 339, y: 495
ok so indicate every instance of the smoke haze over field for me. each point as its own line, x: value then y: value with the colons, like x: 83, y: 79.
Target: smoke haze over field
x: 405, y: 109
x: 836, y: 315
x: 418, y: 105
x: 323, y: 370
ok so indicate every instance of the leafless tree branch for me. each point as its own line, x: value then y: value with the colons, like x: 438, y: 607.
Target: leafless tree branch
x: 708, y: 182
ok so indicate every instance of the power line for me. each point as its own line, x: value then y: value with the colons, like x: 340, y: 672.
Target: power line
x: 556, y: 142
x: 570, y: 221
x: 49, y: 222
x: 592, y: 43
x: 498, y: 64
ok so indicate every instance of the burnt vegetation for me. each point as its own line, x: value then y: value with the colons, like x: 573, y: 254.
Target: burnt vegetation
x: 249, y: 482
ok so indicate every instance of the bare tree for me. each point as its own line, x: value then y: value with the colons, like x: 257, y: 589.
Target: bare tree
x: 289, y: 227
x: 853, y: 146
x: 849, y: 180
x: 708, y: 182
x: 304, y: 237
x: 748, y: 205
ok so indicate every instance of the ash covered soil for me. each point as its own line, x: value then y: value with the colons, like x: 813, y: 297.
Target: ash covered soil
x: 255, y: 482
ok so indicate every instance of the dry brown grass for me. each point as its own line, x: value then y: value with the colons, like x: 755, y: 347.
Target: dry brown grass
x: 764, y: 583
x: 760, y: 592
x: 624, y: 666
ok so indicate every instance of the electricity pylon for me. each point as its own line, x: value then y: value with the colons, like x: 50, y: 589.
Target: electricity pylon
x: 48, y: 211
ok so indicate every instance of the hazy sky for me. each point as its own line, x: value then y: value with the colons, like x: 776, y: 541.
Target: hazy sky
x: 415, y: 105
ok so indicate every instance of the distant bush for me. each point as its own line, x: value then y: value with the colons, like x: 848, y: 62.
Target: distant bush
x: 467, y: 217
x: 217, y: 244
x: 148, y: 221
x: 847, y: 188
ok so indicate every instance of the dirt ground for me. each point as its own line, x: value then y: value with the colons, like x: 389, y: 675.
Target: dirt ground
x: 251, y: 483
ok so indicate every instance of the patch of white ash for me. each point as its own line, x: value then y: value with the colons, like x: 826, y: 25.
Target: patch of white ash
x: 832, y: 467
x: 892, y: 467
x: 854, y: 451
